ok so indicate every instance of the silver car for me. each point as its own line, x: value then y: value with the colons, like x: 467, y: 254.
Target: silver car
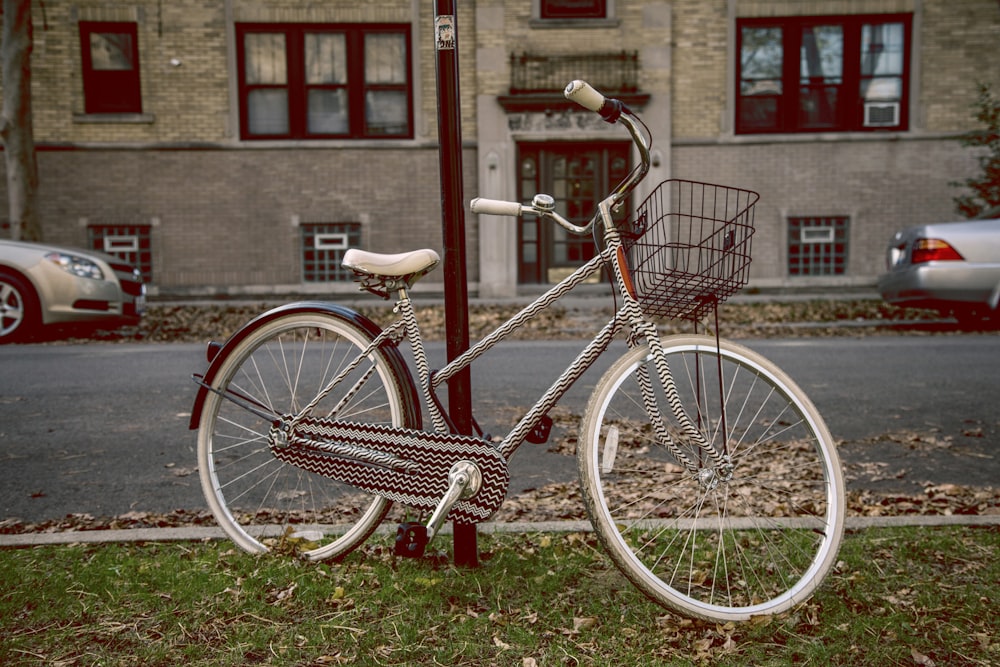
x: 953, y: 267
x: 44, y: 285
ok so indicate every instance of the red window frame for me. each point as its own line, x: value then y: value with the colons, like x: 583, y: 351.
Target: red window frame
x: 297, y: 89
x: 787, y: 102
x: 111, y: 89
x: 573, y: 9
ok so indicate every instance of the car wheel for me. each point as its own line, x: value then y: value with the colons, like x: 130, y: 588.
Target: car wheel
x: 19, y: 310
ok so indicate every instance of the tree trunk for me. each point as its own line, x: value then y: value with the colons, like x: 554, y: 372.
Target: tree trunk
x: 15, y: 124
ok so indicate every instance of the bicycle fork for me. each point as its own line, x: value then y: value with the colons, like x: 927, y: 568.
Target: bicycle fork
x: 720, y: 461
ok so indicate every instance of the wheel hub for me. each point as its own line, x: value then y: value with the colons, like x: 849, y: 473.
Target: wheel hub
x: 711, y: 477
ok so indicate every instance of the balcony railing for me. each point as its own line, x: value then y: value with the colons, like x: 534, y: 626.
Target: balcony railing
x: 537, y: 81
x: 610, y: 72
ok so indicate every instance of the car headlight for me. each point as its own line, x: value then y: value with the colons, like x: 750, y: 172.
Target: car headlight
x: 78, y: 266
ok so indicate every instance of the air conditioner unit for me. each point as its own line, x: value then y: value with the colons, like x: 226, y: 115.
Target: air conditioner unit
x: 881, y: 114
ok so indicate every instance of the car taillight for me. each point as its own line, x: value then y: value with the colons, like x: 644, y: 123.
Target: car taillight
x: 933, y: 250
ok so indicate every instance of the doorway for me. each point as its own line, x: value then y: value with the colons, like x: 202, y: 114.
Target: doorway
x: 575, y: 174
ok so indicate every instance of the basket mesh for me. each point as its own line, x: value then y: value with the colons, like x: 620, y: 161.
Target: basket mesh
x: 688, y: 247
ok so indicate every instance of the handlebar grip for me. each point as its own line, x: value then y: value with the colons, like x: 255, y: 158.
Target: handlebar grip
x: 584, y: 94
x: 495, y: 207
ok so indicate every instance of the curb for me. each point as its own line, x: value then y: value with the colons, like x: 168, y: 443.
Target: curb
x: 201, y: 534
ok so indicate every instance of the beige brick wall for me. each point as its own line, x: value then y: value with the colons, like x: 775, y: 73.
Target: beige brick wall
x: 699, y: 67
x: 187, y: 104
x: 191, y: 103
x: 880, y: 186
x: 227, y: 217
x: 223, y: 209
x: 960, y: 46
x: 880, y: 182
x: 957, y: 39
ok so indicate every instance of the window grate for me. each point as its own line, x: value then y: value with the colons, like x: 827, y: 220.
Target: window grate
x: 323, y: 247
x: 817, y: 246
x: 129, y: 243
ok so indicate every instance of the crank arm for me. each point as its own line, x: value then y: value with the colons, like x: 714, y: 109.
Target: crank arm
x: 464, y: 481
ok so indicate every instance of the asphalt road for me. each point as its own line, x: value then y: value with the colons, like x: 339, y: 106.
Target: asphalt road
x: 102, y: 429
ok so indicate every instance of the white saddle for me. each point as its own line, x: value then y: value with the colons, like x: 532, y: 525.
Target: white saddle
x: 411, y: 264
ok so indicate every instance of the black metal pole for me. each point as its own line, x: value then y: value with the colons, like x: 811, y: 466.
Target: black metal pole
x: 456, y: 294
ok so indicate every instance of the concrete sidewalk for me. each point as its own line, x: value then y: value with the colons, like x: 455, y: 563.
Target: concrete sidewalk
x: 200, y: 534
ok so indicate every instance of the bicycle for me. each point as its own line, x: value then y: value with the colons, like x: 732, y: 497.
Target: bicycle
x: 709, y: 477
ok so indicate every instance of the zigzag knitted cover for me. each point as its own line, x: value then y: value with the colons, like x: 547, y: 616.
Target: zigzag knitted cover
x: 419, y: 480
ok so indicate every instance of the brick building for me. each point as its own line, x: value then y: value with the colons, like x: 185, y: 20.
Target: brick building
x: 238, y: 146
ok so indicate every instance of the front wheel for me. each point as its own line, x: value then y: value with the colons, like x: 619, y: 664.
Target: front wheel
x: 749, y: 531
x: 280, y: 364
x: 20, y: 313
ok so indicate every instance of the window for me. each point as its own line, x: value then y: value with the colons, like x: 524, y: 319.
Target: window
x: 573, y: 9
x: 823, y: 74
x: 110, y: 57
x: 129, y: 243
x: 817, y: 246
x: 323, y: 246
x: 324, y: 81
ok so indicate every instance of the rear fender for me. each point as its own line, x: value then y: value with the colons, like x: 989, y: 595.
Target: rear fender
x: 217, y: 353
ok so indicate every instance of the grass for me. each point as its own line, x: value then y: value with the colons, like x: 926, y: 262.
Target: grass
x: 904, y: 596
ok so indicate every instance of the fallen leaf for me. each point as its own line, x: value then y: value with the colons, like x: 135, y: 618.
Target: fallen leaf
x: 921, y: 659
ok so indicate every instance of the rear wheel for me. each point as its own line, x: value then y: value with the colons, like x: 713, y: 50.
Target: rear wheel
x: 262, y: 503
x: 751, y: 531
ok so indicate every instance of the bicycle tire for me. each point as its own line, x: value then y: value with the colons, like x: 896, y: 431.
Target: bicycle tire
x: 754, y: 536
x: 262, y: 503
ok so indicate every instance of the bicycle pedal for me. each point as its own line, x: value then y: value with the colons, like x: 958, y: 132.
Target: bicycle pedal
x: 411, y: 540
x: 540, y: 434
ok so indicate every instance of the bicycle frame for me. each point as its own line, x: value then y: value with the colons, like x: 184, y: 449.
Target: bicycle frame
x: 629, y: 314
x: 482, y: 458
x: 573, y: 372
x: 714, y: 523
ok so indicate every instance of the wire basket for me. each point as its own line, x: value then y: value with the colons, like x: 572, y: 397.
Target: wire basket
x: 688, y: 247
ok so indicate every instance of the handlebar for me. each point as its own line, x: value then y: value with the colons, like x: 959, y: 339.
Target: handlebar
x: 542, y: 205
x: 612, y: 111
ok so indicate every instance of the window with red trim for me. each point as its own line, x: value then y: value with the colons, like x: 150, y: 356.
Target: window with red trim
x: 823, y: 73
x: 573, y: 9
x: 110, y: 58
x: 324, y: 81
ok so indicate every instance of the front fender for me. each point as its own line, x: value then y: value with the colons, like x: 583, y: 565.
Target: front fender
x: 217, y: 354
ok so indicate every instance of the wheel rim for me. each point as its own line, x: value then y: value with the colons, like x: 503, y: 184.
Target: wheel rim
x: 11, y: 309
x: 262, y: 503
x: 753, y: 535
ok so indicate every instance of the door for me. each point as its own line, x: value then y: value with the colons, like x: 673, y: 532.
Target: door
x: 576, y: 175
